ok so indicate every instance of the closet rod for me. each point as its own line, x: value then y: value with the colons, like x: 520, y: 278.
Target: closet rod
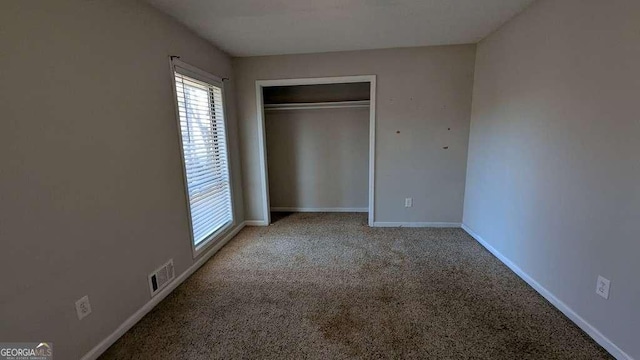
x: 318, y: 105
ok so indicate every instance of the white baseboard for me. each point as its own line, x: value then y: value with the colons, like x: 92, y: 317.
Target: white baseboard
x: 255, y: 223
x: 133, y: 319
x: 417, y: 224
x: 299, y: 209
x: 564, y: 308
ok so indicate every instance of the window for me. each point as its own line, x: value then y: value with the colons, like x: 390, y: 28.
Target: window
x: 204, y: 152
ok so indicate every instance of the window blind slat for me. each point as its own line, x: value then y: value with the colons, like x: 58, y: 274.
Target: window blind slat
x: 197, y: 169
x: 212, y: 209
x: 208, y: 180
x: 204, y: 150
x: 200, y: 193
x: 200, y: 106
x: 207, y: 204
x: 206, y: 226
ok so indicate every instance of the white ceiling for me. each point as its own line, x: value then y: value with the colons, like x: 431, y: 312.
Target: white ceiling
x: 270, y: 27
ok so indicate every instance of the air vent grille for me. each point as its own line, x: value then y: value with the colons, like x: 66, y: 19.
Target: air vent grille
x: 161, y: 277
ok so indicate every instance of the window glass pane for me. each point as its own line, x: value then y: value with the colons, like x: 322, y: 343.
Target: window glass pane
x: 205, y: 156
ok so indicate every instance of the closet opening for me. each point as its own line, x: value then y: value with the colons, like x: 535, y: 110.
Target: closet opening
x: 317, y: 145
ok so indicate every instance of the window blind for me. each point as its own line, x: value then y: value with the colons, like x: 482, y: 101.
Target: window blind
x: 204, y: 150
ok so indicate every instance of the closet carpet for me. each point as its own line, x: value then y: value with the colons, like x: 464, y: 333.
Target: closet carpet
x: 326, y: 286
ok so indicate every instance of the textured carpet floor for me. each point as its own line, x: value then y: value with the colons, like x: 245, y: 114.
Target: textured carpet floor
x: 326, y: 286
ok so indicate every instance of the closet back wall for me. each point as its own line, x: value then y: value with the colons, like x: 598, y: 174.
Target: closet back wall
x: 318, y: 159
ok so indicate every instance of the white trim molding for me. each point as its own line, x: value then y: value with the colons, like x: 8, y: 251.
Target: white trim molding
x: 255, y: 223
x: 596, y: 335
x: 417, y: 224
x: 298, y: 209
x: 372, y: 149
x: 260, y: 84
x: 262, y: 155
x: 138, y: 315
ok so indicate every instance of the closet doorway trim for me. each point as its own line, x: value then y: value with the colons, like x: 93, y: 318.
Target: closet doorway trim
x: 262, y: 143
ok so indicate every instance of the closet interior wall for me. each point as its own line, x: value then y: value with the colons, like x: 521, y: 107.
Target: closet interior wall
x: 318, y: 147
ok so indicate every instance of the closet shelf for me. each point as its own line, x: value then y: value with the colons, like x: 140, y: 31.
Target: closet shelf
x: 317, y: 105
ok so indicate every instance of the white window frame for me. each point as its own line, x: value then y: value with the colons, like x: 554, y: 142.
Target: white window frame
x: 201, y: 75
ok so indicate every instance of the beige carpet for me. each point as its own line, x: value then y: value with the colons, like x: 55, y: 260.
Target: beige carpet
x: 326, y: 286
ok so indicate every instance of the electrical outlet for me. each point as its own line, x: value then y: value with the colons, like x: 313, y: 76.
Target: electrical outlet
x: 83, y: 307
x: 602, y: 287
x: 408, y: 202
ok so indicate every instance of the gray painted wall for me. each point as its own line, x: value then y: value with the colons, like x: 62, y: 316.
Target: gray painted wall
x: 91, y: 180
x: 421, y: 93
x: 553, y: 178
x: 318, y: 158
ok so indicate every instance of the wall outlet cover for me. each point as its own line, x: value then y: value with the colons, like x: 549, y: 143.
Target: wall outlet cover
x: 83, y: 307
x: 602, y: 287
x: 408, y: 202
